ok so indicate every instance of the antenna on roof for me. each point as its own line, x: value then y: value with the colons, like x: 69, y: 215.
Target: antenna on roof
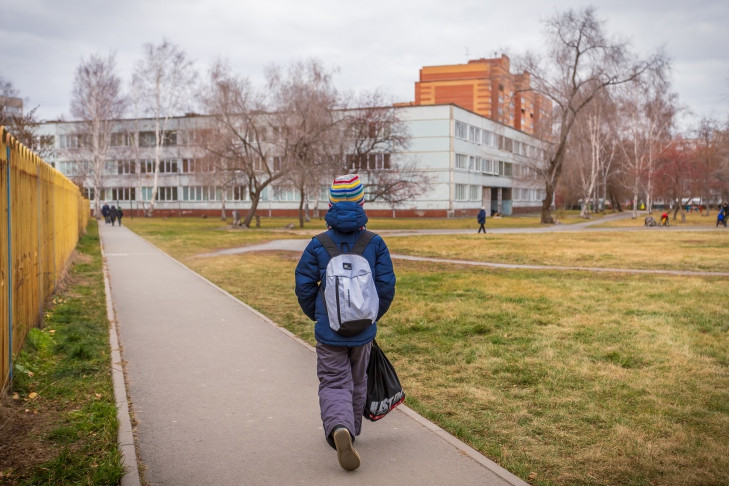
x: 467, y: 55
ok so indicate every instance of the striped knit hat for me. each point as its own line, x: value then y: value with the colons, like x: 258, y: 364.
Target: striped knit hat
x: 346, y: 188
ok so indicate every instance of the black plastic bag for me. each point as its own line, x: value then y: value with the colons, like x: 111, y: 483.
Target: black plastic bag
x: 384, y: 391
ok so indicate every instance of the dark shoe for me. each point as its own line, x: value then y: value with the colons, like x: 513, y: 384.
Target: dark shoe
x: 346, y: 454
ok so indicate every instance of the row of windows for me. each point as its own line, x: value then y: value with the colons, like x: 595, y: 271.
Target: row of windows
x: 528, y: 194
x: 148, y: 138
x: 466, y: 192
x: 196, y: 193
x: 193, y: 166
x: 144, y: 166
x: 118, y: 139
x: 471, y: 192
x: 481, y: 136
x: 485, y: 166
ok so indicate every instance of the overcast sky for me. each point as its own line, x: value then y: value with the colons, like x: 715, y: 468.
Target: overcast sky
x: 374, y: 44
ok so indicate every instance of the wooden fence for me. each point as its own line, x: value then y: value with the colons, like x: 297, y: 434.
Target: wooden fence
x: 42, y: 215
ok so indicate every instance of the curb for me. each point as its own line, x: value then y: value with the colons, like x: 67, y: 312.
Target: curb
x: 125, y: 435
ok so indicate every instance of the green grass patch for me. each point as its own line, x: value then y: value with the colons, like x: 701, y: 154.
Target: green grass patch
x: 58, y: 425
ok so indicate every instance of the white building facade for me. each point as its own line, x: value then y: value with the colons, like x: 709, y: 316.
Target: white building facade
x: 471, y: 161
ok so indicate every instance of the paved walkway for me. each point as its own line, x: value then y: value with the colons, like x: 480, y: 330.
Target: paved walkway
x: 223, y: 396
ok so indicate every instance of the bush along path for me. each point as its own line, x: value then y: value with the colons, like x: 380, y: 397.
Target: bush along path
x: 58, y: 421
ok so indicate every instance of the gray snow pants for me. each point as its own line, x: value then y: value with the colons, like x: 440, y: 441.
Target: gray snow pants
x: 342, y: 373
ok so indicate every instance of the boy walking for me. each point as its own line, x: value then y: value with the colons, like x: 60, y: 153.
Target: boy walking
x: 342, y: 357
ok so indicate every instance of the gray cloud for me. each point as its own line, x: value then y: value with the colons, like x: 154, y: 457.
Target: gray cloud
x: 377, y: 44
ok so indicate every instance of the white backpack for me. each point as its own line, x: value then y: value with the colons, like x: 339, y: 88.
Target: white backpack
x: 350, y: 295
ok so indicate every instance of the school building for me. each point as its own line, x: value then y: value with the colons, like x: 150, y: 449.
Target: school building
x: 471, y: 131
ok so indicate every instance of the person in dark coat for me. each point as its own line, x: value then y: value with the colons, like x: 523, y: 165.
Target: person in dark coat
x: 481, y: 218
x: 119, y: 214
x: 342, y: 361
x: 112, y: 215
x: 105, y: 213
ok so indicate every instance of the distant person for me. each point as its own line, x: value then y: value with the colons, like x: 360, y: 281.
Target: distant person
x: 105, y: 213
x: 664, y: 219
x: 119, y: 214
x: 481, y: 218
x: 342, y: 355
x: 112, y: 215
x: 721, y: 219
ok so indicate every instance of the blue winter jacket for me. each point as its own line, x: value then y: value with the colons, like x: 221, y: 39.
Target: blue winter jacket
x: 346, y: 220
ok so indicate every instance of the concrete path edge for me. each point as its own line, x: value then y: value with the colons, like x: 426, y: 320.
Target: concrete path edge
x: 125, y: 434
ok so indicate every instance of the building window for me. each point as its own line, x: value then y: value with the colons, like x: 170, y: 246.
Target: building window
x: 475, y: 193
x: 167, y: 194
x: 126, y: 167
x: 284, y: 194
x: 238, y: 193
x: 505, y: 168
x: 461, y: 192
x: 69, y: 141
x: 191, y: 166
x: 461, y: 161
x: 146, y: 166
x: 461, y: 130
x: 120, y: 139
x: 167, y: 166
x: 199, y: 193
x: 364, y: 162
x: 149, y: 139
x: 163, y: 193
x: 122, y: 193
x: 474, y: 134
x: 187, y: 137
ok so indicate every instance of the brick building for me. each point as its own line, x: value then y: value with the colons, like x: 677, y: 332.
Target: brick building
x: 487, y: 88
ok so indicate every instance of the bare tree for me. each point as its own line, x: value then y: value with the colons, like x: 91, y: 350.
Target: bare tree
x: 676, y: 171
x: 24, y: 126
x: 648, y: 109
x: 592, y: 150
x: 236, y: 139
x: 97, y: 102
x: 302, y: 124
x: 581, y: 62
x: 722, y: 172
x: 709, y: 164
x: 164, y: 81
x: 373, y: 134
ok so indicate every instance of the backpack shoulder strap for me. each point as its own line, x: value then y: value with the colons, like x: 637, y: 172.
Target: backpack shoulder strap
x: 328, y: 244
x: 362, y: 242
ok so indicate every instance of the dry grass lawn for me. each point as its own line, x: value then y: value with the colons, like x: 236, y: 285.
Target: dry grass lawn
x: 561, y: 377
x: 650, y: 249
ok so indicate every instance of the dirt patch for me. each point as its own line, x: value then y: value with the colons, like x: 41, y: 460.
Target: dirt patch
x: 24, y: 427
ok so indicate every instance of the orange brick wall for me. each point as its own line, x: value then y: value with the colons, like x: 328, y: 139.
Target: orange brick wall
x: 483, y: 86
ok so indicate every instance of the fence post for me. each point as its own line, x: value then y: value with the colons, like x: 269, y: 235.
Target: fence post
x: 40, y: 276
x: 10, y: 269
